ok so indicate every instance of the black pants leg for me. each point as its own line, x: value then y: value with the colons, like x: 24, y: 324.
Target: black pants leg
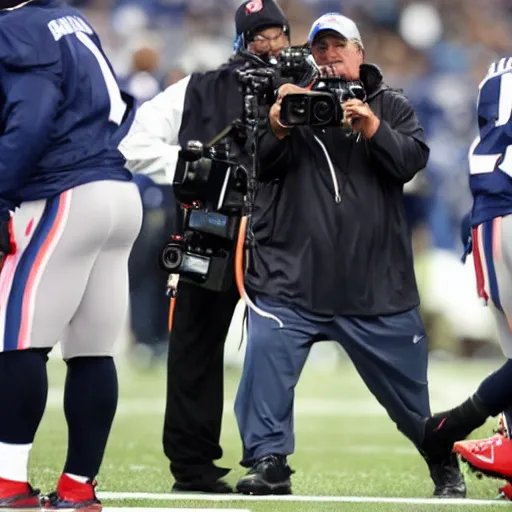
x: 390, y: 353
x: 195, y: 381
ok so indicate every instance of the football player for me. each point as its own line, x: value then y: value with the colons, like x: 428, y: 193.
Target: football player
x: 490, y: 159
x: 70, y: 215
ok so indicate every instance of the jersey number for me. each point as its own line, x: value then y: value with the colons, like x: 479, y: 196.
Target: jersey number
x: 117, y: 105
x: 483, y: 157
x: 505, y: 102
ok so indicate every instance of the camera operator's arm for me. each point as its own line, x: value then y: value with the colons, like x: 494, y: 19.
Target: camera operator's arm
x: 151, y: 146
x: 274, y: 146
x: 398, y: 145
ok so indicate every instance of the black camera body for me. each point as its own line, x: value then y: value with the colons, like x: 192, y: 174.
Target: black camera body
x: 294, y: 65
x: 322, y: 106
x: 210, y: 175
x: 210, y: 186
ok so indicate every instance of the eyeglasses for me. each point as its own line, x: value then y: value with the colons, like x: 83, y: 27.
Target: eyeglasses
x: 267, y: 42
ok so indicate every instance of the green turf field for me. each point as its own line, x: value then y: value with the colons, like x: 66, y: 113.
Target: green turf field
x: 346, y: 448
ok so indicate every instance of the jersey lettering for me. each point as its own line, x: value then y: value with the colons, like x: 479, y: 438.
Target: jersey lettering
x: 117, y: 104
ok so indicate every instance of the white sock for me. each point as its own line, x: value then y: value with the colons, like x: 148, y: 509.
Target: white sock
x: 78, y: 478
x: 14, y: 461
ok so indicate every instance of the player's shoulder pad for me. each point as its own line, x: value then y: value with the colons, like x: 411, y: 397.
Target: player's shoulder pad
x: 26, y: 41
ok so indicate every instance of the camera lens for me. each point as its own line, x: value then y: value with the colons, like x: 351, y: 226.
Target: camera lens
x: 297, y: 109
x: 171, y: 258
x: 294, y: 110
x: 323, y: 111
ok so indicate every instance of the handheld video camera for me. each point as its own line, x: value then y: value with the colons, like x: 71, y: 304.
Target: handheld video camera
x: 210, y: 185
x: 322, y: 106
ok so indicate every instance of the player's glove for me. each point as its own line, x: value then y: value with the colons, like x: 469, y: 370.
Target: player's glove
x: 466, y: 236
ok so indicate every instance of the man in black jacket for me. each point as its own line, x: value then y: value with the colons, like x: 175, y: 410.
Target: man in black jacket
x: 199, y: 107
x: 333, y: 261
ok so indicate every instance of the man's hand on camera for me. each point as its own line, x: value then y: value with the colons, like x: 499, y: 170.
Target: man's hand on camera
x: 361, y: 118
x: 334, y: 70
x: 281, y: 131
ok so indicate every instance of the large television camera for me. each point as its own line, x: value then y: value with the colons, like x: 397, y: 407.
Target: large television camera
x: 211, y: 185
x: 260, y: 83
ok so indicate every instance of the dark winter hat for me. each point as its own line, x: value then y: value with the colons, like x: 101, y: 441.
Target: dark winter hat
x: 254, y: 15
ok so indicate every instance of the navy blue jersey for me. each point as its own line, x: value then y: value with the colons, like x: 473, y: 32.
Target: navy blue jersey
x: 63, y: 115
x: 490, y: 156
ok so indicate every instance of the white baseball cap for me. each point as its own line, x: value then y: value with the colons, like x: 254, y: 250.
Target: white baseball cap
x: 344, y: 26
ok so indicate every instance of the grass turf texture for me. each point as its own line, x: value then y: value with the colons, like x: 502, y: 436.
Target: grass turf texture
x: 345, y: 443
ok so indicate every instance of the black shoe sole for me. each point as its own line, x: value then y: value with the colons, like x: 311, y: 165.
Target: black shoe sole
x: 216, y: 487
x: 263, y: 488
x: 451, y: 494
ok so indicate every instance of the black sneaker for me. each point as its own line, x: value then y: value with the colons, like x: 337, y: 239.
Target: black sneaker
x: 269, y: 475
x: 207, y: 486
x: 444, y: 429
x: 447, y: 478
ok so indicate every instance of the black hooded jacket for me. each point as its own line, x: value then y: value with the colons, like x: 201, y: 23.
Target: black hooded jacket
x: 331, y: 232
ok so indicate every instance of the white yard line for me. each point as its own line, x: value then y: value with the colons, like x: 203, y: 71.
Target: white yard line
x: 140, y: 509
x: 292, y: 499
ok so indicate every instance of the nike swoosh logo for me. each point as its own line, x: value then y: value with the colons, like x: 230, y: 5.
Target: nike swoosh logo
x: 417, y: 338
x: 483, y: 458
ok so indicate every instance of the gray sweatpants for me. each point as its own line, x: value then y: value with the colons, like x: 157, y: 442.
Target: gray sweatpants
x: 68, y: 278
x: 492, y: 257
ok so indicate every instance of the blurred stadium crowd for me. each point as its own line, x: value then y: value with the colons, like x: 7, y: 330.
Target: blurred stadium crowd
x: 436, y: 51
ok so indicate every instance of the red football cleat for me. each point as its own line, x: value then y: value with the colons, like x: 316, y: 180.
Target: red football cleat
x: 18, y: 495
x: 492, y: 457
x: 506, y: 492
x: 72, y: 495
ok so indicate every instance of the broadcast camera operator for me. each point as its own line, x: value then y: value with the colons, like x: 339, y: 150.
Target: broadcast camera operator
x: 333, y: 259
x: 198, y: 108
